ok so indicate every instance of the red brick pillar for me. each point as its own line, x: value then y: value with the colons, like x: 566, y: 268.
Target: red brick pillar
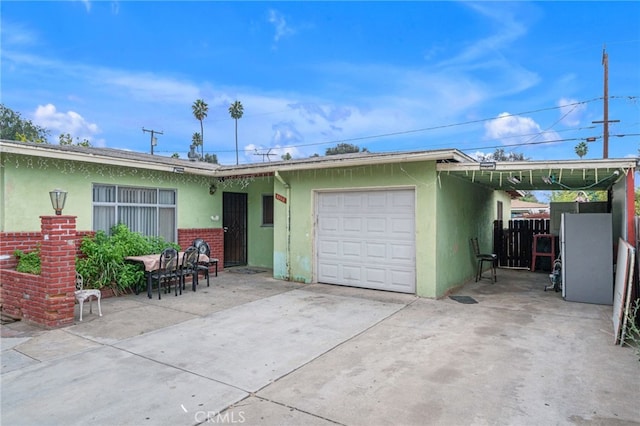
x: 58, y: 256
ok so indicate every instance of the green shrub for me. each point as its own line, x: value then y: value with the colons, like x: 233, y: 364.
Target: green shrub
x: 104, y: 264
x: 28, y: 262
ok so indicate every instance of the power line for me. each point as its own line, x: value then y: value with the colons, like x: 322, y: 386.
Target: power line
x: 506, y: 145
x: 444, y: 126
x: 451, y: 125
x: 544, y: 142
x: 521, y: 144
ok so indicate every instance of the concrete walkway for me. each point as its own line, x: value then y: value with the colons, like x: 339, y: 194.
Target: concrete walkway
x: 253, y: 350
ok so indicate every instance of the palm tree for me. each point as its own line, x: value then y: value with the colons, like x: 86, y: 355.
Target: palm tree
x: 581, y: 149
x: 200, y: 110
x: 236, y: 110
x: 196, y: 140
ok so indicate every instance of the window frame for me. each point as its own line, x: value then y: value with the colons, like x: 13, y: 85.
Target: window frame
x: 267, y: 210
x: 165, y: 214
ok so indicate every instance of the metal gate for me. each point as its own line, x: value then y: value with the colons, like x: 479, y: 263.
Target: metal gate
x: 234, y: 222
x: 512, y: 240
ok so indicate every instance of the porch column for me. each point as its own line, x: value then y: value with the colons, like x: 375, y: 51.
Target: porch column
x: 58, y: 260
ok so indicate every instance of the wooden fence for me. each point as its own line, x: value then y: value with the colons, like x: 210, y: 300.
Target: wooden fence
x: 512, y: 241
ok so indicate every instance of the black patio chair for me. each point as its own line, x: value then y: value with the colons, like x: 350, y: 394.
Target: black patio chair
x: 197, y: 242
x: 167, y: 272
x: 189, y: 266
x: 481, y: 258
x: 203, y: 248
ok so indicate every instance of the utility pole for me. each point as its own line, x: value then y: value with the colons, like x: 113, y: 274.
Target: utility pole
x: 154, y: 140
x: 605, y: 121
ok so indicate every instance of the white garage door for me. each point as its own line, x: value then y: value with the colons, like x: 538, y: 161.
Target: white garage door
x: 367, y: 239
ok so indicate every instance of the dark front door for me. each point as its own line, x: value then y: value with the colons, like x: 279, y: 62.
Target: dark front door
x: 234, y: 222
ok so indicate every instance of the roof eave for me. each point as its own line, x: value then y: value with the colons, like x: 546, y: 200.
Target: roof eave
x: 543, y: 165
x: 42, y: 151
x: 329, y: 162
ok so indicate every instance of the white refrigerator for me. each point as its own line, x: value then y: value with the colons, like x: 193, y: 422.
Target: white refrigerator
x: 586, y: 247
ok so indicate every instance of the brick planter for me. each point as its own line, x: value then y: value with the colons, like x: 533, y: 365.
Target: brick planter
x: 46, y: 299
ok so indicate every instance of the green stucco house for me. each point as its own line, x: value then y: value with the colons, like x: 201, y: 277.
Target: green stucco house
x: 390, y: 221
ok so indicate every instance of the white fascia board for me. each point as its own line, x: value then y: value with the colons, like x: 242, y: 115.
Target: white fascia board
x: 100, y: 159
x: 324, y: 163
x: 543, y: 165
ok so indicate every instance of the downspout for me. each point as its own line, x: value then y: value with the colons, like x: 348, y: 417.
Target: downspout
x: 287, y: 225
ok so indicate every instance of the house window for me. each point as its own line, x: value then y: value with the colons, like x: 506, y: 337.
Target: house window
x: 149, y: 211
x: 500, y: 209
x: 267, y: 210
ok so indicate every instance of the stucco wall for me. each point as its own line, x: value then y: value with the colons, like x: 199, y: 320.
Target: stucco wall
x: 28, y: 180
x: 464, y: 211
x: 449, y: 211
x: 294, y: 251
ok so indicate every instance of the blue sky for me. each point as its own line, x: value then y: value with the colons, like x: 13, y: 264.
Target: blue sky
x: 388, y: 76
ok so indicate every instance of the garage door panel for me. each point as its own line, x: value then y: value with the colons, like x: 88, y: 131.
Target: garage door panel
x: 351, y: 273
x: 352, y: 224
x: 402, y: 279
x: 329, y: 201
x: 375, y: 251
x: 401, y: 253
x: 352, y: 249
x: 329, y: 224
x: 402, y: 200
x: 376, y: 276
x: 329, y: 271
x: 329, y: 248
x: 377, y: 200
x: 367, y: 239
x: 354, y: 201
x: 376, y: 225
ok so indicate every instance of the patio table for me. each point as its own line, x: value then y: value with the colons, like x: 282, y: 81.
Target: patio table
x: 151, y: 262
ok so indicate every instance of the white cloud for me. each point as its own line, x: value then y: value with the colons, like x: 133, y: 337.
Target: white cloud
x: 142, y: 86
x: 509, y: 30
x: 571, y: 111
x: 16, y: 35
x: 356, y: 101
x: 480, y: 155
x: 149, y: 87
x: 280, y: 25
x: 489, y: 57
x: 410, y: 99
x: 396, y: 100
x: 291, y: 150
x: 516, y: 130
x: 65, y: 122
x: 286, y: 133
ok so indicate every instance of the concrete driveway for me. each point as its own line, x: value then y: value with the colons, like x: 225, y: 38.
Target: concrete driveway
x: 253, y: 350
